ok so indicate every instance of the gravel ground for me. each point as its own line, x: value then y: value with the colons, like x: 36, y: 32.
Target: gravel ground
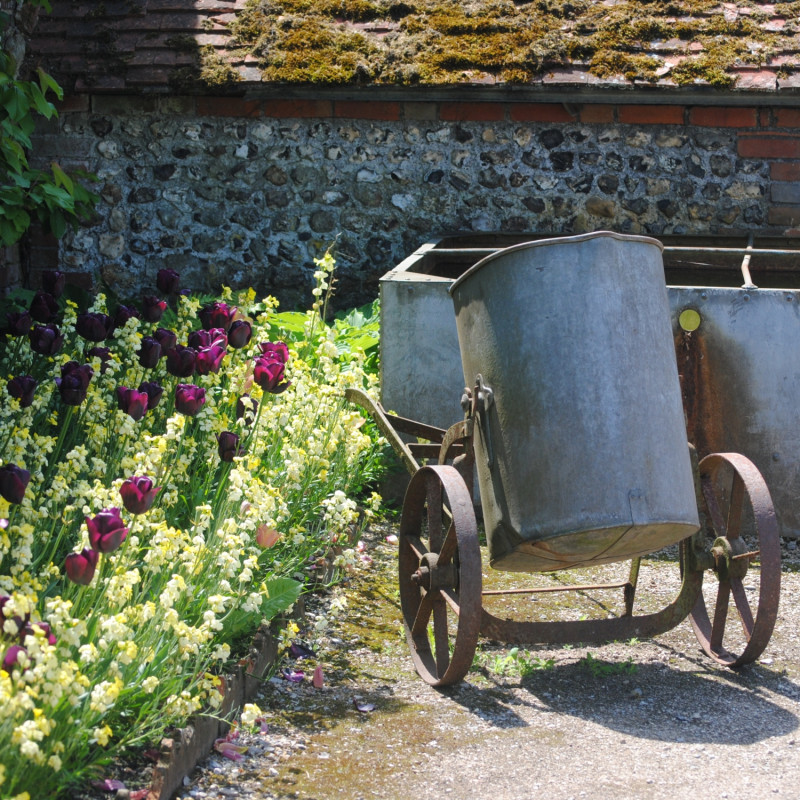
x: 641, y: 719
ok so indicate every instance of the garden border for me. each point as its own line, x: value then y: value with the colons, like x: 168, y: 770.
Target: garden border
x: 181, y: 752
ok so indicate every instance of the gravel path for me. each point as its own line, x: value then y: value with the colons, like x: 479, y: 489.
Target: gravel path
x: 642, y: 719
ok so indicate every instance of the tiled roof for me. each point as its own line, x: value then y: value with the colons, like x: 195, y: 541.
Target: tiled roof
x: 230, y: 46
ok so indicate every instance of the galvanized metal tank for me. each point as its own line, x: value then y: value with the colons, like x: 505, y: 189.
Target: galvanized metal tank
x: 582, y: 455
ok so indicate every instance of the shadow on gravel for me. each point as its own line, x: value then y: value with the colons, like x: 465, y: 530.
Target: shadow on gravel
x: 656, y: 701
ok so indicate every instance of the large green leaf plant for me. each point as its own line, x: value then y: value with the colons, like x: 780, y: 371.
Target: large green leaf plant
x: 54, y: 197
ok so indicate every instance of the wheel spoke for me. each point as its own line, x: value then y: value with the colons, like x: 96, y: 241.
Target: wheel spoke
x: 434, y: 513
x: 720, y: 616
x: 742, y: 606
x: 441, y: 637
x: 449, y: 545
x: 423, y: 615
x: 714, y: 511
x: 734, y: 523
x: 417, y: 546
x: 451, y: 598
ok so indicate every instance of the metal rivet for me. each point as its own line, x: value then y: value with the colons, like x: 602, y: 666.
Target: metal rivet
x: 704, y: 295
x: 746, y: 298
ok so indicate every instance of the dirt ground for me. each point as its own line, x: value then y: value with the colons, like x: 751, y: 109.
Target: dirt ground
x: 636, y: 719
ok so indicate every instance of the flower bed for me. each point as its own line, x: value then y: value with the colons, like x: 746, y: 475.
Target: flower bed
x: 169, y: 476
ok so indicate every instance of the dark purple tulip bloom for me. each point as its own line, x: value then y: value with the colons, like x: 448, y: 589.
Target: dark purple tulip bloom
x: 154, y: 392
x: 13, y: 482
x: 80, y: 566
x: 181, y: 361
x: 149, y: 352
x: 277, y: 350
x: 189, y: 399
x: 168, y: 281
x: 153, y: 308
x: 44, y: 307
x: 268, y: 373
x: 19, y: 322
x: 22, y: 387
x: 132, y: 402
x: 94, y: 326
x: 138, y: 494
x: 240, y: 333
x: 123, y: 314
x: 209, y: 359
x: 203, y: 338
x: 11, y: 656
x: 228, y: 445
x: 241, y: 408
x: 103, y: 353
x: 217, y: 315
x: 74, y: 382
x: 31, y: 629
x: 54, y: 282
x: 166, y: 338
x: 107, y: 531
x: 45, y: 339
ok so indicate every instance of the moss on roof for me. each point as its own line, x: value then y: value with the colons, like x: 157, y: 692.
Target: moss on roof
x: 454, y: 41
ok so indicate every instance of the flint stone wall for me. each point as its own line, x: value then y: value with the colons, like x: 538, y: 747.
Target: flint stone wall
x: 245, y: 194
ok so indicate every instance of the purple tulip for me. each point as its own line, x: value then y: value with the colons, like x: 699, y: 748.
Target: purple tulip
x: 132, y: 402
x: 189, y: 399
x: 19, y: 322
x: 204, y: 338
x: 217, y: 315
x: 168, y: 281
x: 13, y: 482
x: 242, y: 409
x: 228, y: 445
x: 32, y: 628
x: 107, y: 531
x: 22, y: 387
x: 138, y: 494
x: 268, y: 373
x: 12, y: 656
x: 123, y: 314
x: 277, y: 350
x: 209, y: 359
x: 74, y: 382
x: 153, y: 308
x: 154, y: 392
x: 166, y: 338
x: 149, y: 352
x: 54, y: 282
x: 44, y: 307
x: 80, y: 566
x: 103, y: 353
x: 240, y: 333
x: 94, y: 326
x: 45, y: 339
x: 181, y: 361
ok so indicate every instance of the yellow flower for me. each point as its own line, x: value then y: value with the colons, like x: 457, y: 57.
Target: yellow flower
x: 102, y: 735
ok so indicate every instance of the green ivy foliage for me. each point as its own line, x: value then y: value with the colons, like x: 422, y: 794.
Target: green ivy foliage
x: 53, y: 196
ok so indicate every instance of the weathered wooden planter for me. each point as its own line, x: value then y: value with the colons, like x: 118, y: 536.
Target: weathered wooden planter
x: 735, y: 308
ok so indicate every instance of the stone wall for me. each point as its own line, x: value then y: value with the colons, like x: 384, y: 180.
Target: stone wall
x: 249, y: 192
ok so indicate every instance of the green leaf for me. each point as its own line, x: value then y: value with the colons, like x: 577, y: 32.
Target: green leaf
x: 62, y: 179
x: 46, y: 82
x: 281, y: 593
x: 42, y: 105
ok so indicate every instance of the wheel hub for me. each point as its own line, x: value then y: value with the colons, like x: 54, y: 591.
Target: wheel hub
x: 433, y: 576
x: 730, y: 558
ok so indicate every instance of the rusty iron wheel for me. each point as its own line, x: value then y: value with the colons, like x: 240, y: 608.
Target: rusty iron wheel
x: 741, y: 513
x: 440, y: 574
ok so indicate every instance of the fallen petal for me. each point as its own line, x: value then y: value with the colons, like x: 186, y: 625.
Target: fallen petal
x: 229, y: 750
x: 139, y: 794
x: 298, y: 650
x: 362, y: 707
x: 391, y: 539
x: 293, y: 675
x: 318, y: 680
